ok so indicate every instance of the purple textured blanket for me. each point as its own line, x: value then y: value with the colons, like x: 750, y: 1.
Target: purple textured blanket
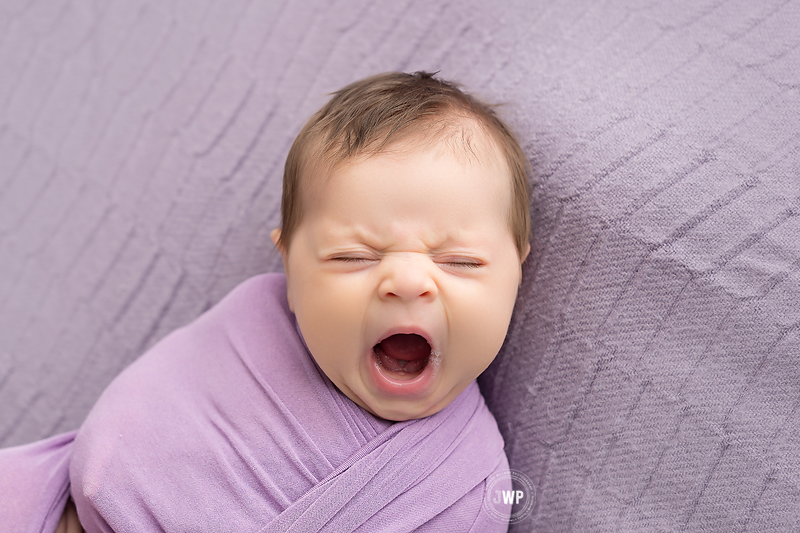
x: 229, y: 425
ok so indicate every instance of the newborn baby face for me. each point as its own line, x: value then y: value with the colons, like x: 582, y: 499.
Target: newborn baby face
x: 403, y: 275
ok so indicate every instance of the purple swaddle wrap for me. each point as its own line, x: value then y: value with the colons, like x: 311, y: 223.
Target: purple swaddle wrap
x: 228, y: 425
x: 34, y: 484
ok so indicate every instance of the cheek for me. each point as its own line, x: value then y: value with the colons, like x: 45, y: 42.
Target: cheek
x: 329, y: 313
x: 331, y: 300
x: 482, y: 320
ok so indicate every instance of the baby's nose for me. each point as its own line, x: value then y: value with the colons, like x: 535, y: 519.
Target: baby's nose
x: 407, y: 278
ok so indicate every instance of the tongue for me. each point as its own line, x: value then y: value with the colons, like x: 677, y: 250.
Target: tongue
x: 403, y: 353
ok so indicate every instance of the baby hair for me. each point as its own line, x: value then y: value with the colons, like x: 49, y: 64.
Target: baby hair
x: 375, y: 113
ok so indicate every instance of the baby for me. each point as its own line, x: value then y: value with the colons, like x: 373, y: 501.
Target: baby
x: 341, y: 396
x: 404, y: 225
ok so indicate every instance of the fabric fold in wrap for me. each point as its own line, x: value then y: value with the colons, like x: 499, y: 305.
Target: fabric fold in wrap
x: 229, y: 425
x: 34, y: 484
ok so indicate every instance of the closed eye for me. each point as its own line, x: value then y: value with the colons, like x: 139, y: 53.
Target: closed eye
x: 464, y: 264
x: 351, y: 259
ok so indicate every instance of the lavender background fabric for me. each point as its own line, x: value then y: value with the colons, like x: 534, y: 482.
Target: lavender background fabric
x: 651, y: 377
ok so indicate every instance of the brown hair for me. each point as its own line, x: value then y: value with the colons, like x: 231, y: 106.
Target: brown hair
x: 368, y: 115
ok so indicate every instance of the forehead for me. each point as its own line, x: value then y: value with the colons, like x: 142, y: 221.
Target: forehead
x: 438, y: 194
x: 462, y: 138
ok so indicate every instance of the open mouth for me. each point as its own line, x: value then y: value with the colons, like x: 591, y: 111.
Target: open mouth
x: 403, y: 355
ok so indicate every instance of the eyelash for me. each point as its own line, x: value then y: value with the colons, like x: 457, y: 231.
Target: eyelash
x: 457, y: 264
x: 465, y: 264
x: 351, y: 259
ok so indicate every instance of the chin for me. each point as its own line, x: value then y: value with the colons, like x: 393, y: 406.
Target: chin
x: 401, y: 415
x: 400, y: 410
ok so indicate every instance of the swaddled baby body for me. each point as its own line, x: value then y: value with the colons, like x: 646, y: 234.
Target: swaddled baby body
x: 342, y: 396
x: 229, y: 425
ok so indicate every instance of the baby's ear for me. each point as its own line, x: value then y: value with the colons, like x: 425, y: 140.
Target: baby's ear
x: 275, y: 235
x: 522, y: 258
x: 525, y: 253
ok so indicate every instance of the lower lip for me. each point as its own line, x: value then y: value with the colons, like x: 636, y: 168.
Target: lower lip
x: 402, y: 387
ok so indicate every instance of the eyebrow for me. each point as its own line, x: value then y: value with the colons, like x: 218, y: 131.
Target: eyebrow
x: 440, y: 244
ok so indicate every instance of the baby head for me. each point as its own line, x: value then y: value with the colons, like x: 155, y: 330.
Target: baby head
x: 404, y: 226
